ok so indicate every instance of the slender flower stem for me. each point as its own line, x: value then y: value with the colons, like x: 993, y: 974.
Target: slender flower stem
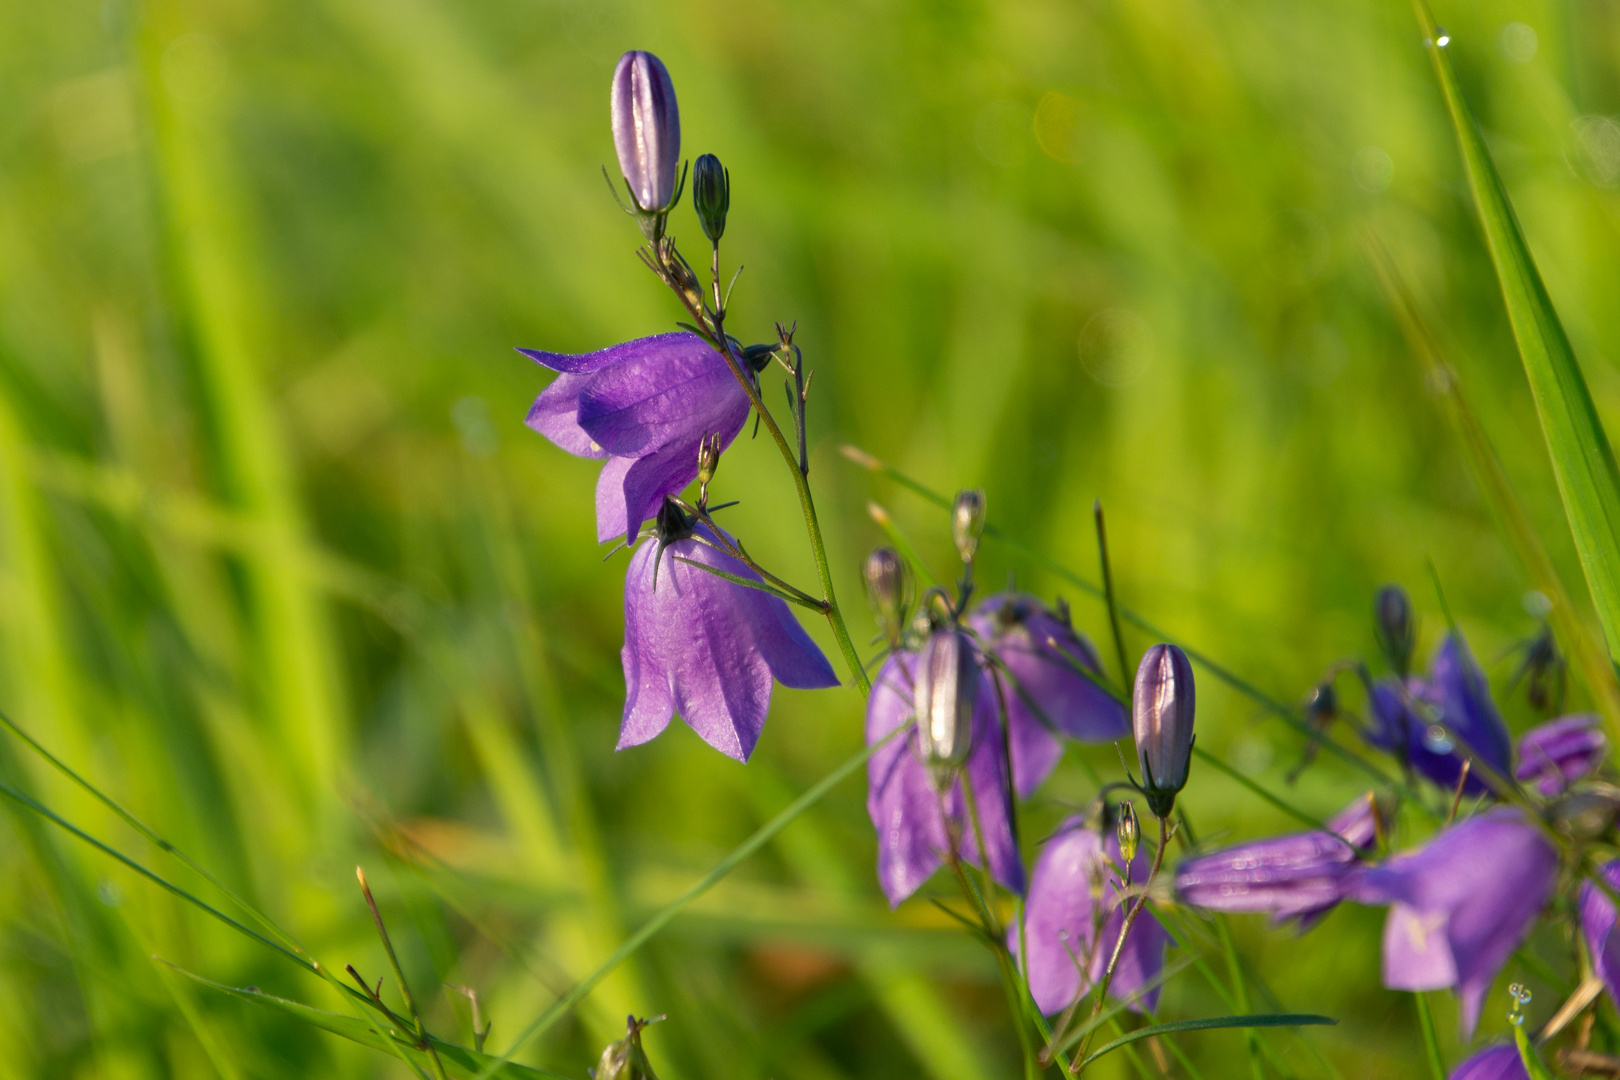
x: 807, y: 503
x: 1240, y: 990
x: 1119, y: 947
x: 1108, y: 593
x: 1431, y: 1044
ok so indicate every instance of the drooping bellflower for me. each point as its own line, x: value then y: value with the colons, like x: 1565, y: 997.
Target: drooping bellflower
x: 645, y: 406
x: 1434, y: 716
x: 1045, y: 691
x: 910, y: 813
x: 1162, y: 710
x: 1559, y: 752
x: 705, y: 647
x: 1300, y: 876
x: 1072, y: 894
x: 1461, y: 904
x: 1500, y: 1062
x: 646, y: 129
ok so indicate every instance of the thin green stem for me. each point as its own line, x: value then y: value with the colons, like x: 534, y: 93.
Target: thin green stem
x: 1108, y: 593
x: 399, y: 975
x: 1240, y: 989
x: 1431, y: 1044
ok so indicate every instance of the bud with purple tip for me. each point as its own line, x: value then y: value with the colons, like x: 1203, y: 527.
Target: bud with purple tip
x: 1397, y: 630
x: 946, y: 692
x: 646, y: 130
x: 1163, y: 707
x: 711, y: 195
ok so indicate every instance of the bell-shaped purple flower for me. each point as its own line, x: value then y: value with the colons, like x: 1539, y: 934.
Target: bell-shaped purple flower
x: 1162, y: 710
x: 1556, y: 754
x: 1045, y: 692
x: 1072, y: 895
x: 1598, y: 924
x: 909, y: 812
x: 706, y: 648
x: 1300, y: 876
x: 646, y: 406
x: 646, y: 129
x: 1500, y: 1062
x: 1437, y: 716
x: 1461, y: 904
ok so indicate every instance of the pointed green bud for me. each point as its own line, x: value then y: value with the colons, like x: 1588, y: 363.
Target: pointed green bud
x: 888, y: 587
x: 967, y: 522
x: 1130, y: 835
x: 711, y: 195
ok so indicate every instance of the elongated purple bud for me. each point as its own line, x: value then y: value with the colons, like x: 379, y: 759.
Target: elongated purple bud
x: 1163, y: 709
x: 1397, y: 629
x: 946, y: 692
x: 646, y: 129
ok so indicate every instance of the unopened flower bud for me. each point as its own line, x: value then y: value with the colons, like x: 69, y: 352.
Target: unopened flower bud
x: 1397, y: 632
x: 708, y: 462
x: 967, y: 522
x: 945, y: 694
x: 711, y: 195
x: 1163, y: 708
x: 886, y: 586
x: 625, y: 1059
x: 1130, y: 835
x: 646, y: 130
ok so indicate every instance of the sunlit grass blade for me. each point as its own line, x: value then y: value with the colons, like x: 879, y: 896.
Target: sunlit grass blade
x: 1571, y: 630
x: 458, y: 1060
x: 761, y: 836
x: 1209, y: 1023
x: 1582, y: 459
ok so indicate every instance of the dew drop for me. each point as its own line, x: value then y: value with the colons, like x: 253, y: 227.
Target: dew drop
x: 1437, y: 740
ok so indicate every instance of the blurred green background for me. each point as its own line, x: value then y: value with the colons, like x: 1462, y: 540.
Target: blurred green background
x: 282, y: 570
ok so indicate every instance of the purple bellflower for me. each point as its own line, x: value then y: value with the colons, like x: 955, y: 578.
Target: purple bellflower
x: 1500, y: 1062
x: 646, y: 129
x: 909, y: 812
x: 705, y: 647
x: 1162, y: 711
x: 1046, y: 693
x: 1556, y: 754
x: 1300, y: 876
x: 1453, y: 705
x: 1597, y: 923
x: 1461, y: 904
x: 645, y: 406
x: 1072, y: 893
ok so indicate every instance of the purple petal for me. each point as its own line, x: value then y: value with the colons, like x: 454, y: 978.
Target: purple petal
x: 1357, y: 823
x: 1555, y: 754
x: 555, y: 414
x: 1493, y: 1063
x: 610, y: 504
x: 1597, y: 923
x: 687, y: 393
x: 986, y: 771
x: 1457, y: 691
x: 1285, y: 877
x: 647, y: 351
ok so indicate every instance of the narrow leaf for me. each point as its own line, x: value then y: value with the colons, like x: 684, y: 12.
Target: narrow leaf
x: 1207, y: 1023
x: 1582, y: 459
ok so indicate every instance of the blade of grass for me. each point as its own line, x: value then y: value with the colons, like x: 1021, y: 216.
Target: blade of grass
x: 1210, y: 1023
x: 1583, y: 462
x: 1431, y: 1043
x: 1572, y: 632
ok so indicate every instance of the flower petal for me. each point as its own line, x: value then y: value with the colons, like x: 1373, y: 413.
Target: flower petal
x: 555, y: 414
x: 647, y: 352
x: 690, y: 392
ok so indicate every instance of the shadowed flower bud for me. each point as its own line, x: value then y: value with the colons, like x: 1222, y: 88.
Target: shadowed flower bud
x: 947, y: 690
x: 711, y: 195
x: 1129, y: 834
x: 886, y: 586
x: 967, y: 522
x: 1397, y: 633
x: 646, y: 130
x: 625, y: 1059
x: 1163, y: 708
x: 708, y: 462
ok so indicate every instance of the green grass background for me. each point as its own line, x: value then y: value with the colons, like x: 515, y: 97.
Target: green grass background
x: 282, y: 570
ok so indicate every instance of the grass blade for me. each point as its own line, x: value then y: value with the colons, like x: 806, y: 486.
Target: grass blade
x: 1583, y: 462
x: 1208, y: 1023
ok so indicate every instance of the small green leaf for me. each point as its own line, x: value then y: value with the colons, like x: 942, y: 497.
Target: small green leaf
x: 1532, y: 1061
x: 1583, y: 462
x: 1207, y: 1023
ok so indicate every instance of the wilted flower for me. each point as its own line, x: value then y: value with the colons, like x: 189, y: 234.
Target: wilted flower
x: 1073, y: 889
x: 904, y: 804
x: 1556, y: 754
x: 646, y: 406
x: 1299, y: 876
x: 1501, y: 1062
x: 646, y: 129
x: 946, y: 694
x: 1397, y: 630
x: 1452, y: 706
x: 711, y: 195
x: 1597, y: 923
x: 1045, y: 690
x: 1461, y: 904
x: 1162, y: 716
x: 706, y: 647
